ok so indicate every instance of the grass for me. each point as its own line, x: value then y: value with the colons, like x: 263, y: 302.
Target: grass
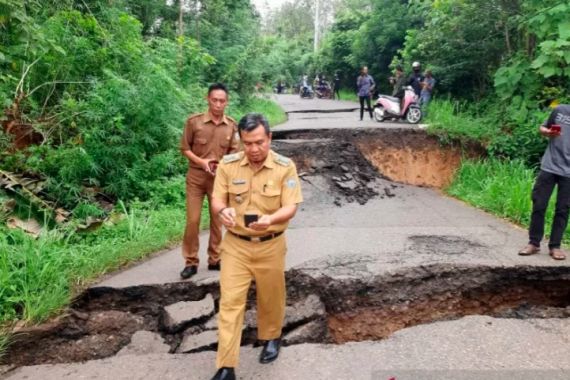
x: 500, y: 187
x: 450, y: 121
x: 41, y: 276
x: 272, y: 111
x: 348, y: 95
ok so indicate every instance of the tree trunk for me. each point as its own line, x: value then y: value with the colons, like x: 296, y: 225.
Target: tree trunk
x: 508, y: 40
x: 181, y: 18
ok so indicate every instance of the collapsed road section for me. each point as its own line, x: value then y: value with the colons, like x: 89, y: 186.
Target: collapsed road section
x: 322, y: 308
x: 333, y: 298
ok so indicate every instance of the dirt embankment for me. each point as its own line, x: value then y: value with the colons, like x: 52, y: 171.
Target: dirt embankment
x: 402, y: 155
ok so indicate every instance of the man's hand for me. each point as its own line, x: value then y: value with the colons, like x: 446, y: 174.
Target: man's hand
x: 262, y: 223
x: 228, y: 216
x: 547, y: 132
x: 205, y: 165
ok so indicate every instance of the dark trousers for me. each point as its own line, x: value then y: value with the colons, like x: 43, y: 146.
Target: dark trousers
x: 336, y: 93
x: 362, y: 99
x: 543, y: 188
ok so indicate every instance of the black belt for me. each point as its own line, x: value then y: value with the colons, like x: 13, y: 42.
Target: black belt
x: 257, y: 239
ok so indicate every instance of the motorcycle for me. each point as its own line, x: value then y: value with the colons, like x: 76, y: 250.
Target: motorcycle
x: 389, y: 108
x: 306, y: 92
x: 324, y: 92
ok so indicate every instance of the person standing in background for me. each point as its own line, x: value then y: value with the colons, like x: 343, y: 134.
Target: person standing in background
x: 416, y: 78
x: 336, y: 90
x: 207, y: 137
x: 365, y: 85
x: 427, y: 89
x: 554, y: 172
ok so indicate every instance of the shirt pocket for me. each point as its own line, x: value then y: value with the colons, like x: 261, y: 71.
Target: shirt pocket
x: 239, y: 195
x: 271, y: 200
x: 200, y: 146
x: 225, y: 143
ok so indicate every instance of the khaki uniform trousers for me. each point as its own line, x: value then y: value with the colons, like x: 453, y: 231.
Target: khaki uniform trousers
x: 243, y: 261
x: 199, y: 184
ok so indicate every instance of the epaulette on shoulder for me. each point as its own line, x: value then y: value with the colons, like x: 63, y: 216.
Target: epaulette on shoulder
x: 281, y: 160
x: 229, y: 158
x: 231, y: 119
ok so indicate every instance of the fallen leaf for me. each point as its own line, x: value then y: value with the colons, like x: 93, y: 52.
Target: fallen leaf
x: 29, y: 226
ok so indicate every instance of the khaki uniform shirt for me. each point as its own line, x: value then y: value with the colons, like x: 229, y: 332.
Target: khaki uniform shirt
x: 208, y: 140
x: 263, y: 192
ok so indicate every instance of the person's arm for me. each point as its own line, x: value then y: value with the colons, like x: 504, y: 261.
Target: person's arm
x: 202, y: 163
x: 186, y: 148
x: 220, y: 199
x: 545, y: 127
x: 234, y: 145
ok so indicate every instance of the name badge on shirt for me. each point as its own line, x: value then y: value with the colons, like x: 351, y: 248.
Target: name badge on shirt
x: 239, y: 182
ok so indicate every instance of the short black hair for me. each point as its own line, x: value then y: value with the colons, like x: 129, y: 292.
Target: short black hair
x: 218, y: 86
x: 251, y: 121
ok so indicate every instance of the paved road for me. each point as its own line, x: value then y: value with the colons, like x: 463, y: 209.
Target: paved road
x: 326, y: 114
x: 475, y: 348
x: 384, y: 235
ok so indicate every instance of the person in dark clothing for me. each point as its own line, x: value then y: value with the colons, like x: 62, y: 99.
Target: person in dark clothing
x: 416, y: 78
x: 336, y: 90
x: 554, y: 170
x: 365, y: 85
x: 399, y: 82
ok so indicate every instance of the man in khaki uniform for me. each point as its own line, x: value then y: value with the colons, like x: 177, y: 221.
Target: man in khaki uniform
x: 207, y: 137
x: 260, y: 183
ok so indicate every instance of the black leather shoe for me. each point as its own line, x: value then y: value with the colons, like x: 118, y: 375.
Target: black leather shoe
x: 270, y: 351
x: 189, y: 271
x: 216, y: 266
x: 225, y: 373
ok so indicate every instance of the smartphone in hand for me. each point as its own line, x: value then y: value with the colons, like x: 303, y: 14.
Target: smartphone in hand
x: 250, y: 218
x: 213, y: 165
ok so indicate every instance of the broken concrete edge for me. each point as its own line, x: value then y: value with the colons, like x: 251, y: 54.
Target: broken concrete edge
x: 203, y: 341
x: 145, y: 342
x: 365, y: 298
x: 178, y: 316
x: 339, y: 110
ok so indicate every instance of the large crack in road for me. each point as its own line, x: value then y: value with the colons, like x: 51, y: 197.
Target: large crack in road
x: 331, y: 299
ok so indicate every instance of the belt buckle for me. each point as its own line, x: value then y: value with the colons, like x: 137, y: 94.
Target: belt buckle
x: 256, y: 239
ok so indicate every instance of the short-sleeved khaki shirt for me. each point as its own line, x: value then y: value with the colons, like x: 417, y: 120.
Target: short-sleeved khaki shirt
x: 208, y: 140
x: 263, y: 192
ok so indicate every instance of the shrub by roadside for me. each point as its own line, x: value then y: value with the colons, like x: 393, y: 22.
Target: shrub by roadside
x: 502, y: 188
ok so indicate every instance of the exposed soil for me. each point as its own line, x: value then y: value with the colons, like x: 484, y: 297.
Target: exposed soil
x: 402, y: 155
x: 350, y: 176
x: 102, y: 321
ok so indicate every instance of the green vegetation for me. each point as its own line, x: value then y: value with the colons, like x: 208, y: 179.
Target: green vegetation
x: 274, y: 113
x: 500, y: 187
x: 348, y: 95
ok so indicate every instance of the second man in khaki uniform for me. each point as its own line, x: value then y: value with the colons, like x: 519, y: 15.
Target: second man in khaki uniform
x: 207, y: 137
x: 257, y: 184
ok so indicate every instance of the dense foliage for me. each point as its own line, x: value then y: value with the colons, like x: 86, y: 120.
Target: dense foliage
x: 103, y: 89
x: 500, y: 62
x: 93, y: 95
